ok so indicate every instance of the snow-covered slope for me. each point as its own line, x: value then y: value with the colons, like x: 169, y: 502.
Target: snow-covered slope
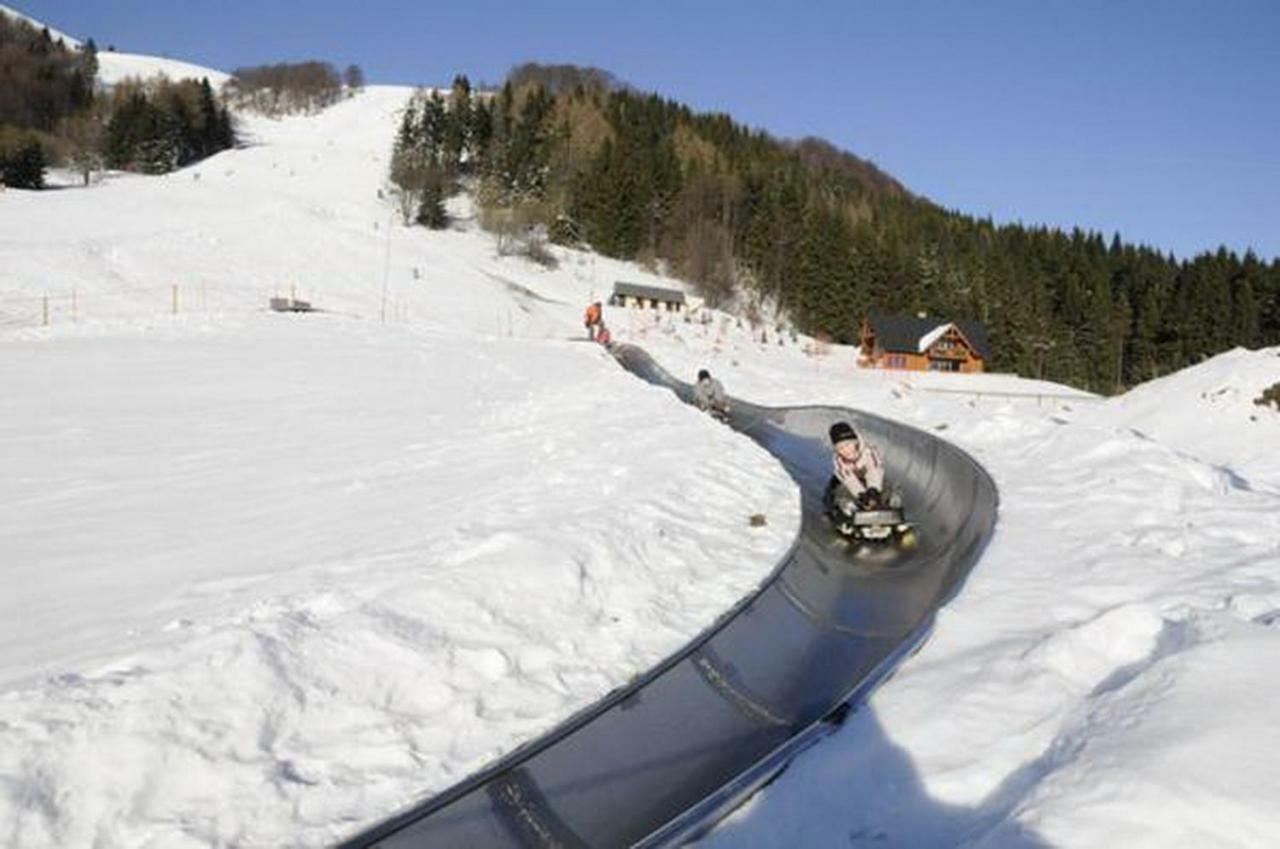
x: 1208, y: 411
x: 270, y: 577
x: 114, y: 67
x: 53, y: 33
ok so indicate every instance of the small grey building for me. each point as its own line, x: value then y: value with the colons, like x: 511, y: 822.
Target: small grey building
x: 647, y: 297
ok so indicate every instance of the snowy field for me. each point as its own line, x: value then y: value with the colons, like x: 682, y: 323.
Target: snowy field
x: 269, y: 577
x: 264, y: 584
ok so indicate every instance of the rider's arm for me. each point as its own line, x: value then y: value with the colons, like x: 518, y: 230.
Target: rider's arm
x: 875, y: 469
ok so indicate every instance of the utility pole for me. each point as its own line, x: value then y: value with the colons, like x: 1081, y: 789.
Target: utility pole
x: 386, y: 264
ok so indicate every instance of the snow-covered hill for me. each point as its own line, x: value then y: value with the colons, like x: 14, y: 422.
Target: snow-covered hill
x: 1203, y: 411
x: 114, y: 66
x: 268, y: 577
x: 55, y: 34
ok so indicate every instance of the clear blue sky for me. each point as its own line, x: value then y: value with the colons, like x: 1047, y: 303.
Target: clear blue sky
x: 1157, y: 119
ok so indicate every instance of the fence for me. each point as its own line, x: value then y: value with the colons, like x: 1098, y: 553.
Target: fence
x: 77, y: 305
x: 1026, y: 395
x: 110, y: 303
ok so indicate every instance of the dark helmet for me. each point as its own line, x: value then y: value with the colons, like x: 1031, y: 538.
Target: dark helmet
x: 703, y: 374
x: 841, y: 431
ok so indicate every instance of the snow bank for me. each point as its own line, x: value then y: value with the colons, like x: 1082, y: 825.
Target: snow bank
x: 1208, y: 411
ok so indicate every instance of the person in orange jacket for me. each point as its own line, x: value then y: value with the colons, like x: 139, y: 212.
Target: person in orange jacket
x: 593, y: 318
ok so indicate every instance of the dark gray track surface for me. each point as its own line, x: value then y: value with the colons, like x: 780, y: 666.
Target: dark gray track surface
x: 660, y: 760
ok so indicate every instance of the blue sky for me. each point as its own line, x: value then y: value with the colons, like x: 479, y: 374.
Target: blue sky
x: 1157, y: 119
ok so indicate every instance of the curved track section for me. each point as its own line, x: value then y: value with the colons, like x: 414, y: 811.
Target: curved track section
x: 659, y: 761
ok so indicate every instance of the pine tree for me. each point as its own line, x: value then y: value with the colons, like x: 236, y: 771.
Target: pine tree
x: 22, y: 162
x: 457, y: 124
x: 431, y: 213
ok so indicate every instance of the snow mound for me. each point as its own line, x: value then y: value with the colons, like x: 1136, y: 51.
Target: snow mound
x: 1207, y: 410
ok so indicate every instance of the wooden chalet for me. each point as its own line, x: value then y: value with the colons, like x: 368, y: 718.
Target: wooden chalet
x: 919, y: 343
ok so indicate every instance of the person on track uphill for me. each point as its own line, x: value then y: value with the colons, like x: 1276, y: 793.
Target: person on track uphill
x: 603, y: 336
x: 856, y: 468
x: 708, y: 394
x: 593, y: 318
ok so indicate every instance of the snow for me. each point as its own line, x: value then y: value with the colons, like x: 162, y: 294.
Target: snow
x: 269, y: 577
x: 932, y: 336
x: 1215, y: 399
x: 114, y: 67
x: 1106, y: 677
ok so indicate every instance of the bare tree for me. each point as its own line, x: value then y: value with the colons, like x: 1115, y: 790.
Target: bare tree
x: 285, y: 87
x: 84, y: 137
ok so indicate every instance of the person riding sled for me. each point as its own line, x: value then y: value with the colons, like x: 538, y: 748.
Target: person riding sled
x: 709, y: 395
x: 857, y: 469
x: 855, y: 498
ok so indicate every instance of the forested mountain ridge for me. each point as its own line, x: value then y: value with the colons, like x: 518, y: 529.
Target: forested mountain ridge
x: 821, y: 234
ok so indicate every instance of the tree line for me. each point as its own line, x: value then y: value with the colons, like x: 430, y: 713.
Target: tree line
x: 43, y: 84
x: 159, y: 125
x: 291, y: 87
x: 52, y: 111
x: 802, y: 230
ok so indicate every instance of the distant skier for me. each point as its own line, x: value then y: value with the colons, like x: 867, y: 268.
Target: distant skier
x: 857, y: 468
x: 593, y: 318
x: 603, y: 336
x: 709, y: 395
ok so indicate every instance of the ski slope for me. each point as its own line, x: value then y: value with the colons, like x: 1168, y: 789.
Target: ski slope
x: 270, y: 578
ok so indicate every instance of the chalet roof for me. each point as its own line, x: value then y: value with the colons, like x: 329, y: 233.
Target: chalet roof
x: 909, y: 334
x: 655, y: 293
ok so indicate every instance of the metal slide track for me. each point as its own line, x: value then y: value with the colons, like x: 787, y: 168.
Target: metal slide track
x: 658, y: 762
